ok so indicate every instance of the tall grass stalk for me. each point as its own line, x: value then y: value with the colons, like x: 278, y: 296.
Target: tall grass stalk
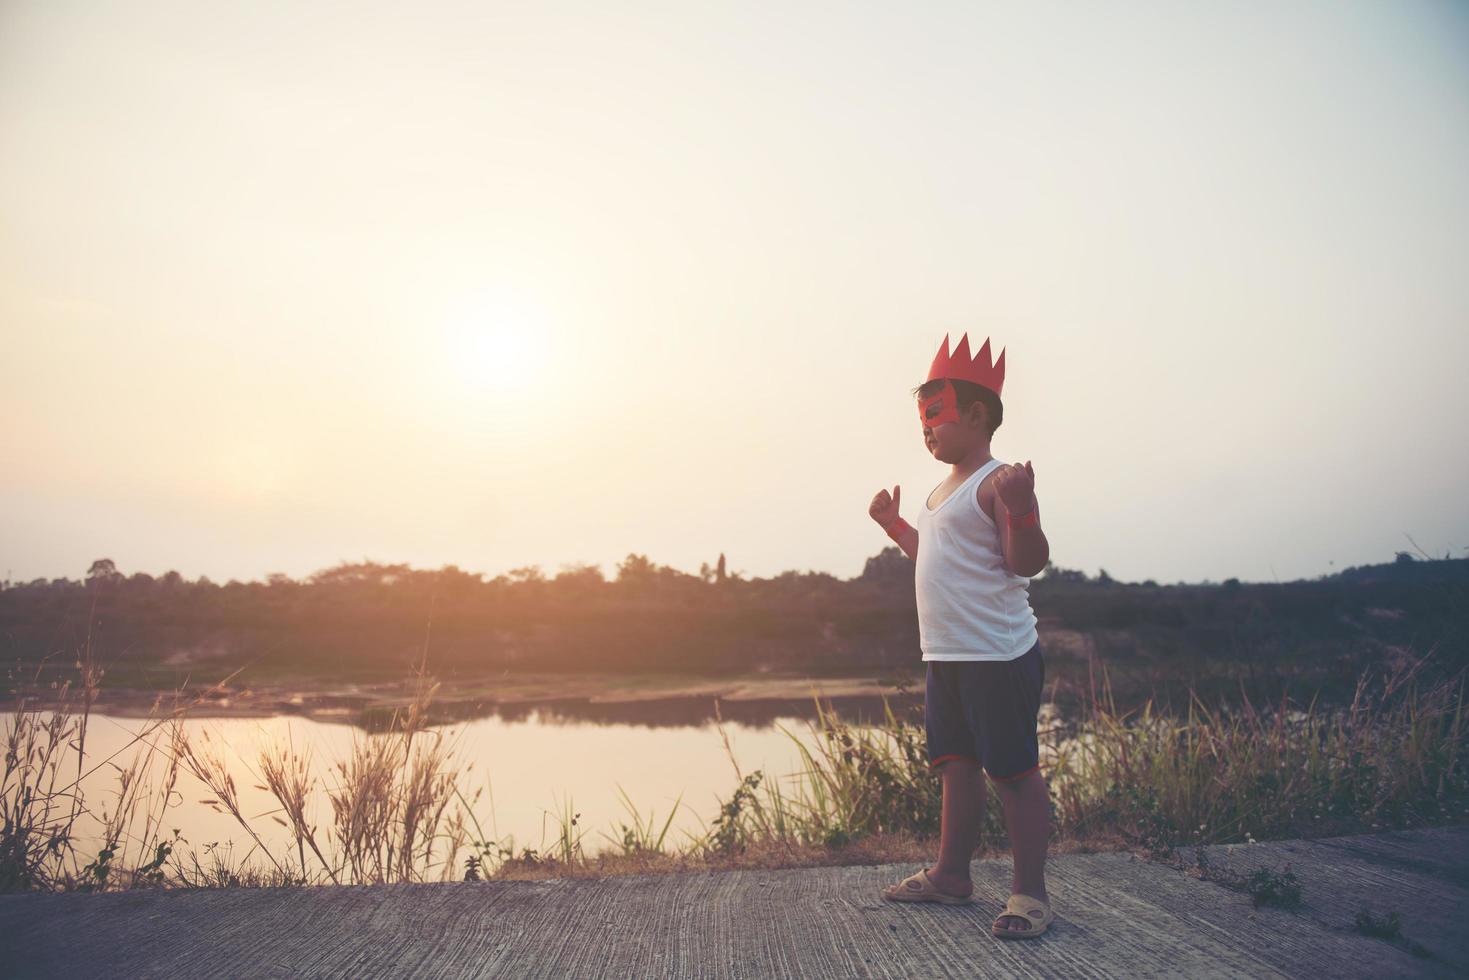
x: 289, y: 778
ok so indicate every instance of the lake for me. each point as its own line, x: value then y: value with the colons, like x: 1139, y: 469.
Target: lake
x: 530, y: 762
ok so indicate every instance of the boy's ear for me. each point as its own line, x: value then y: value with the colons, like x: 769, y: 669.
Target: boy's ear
x: 979, y: 415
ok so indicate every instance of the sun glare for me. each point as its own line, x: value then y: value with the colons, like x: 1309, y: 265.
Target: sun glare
x: 498, y: 346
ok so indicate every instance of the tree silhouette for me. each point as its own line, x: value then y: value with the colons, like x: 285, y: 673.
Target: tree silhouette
x: 103, y: 570
x: 368, y: 617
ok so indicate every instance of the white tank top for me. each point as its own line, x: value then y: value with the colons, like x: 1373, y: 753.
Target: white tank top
x: 970, y: 607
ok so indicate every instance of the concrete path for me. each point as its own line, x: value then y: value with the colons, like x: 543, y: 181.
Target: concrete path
x: 1119, y: 917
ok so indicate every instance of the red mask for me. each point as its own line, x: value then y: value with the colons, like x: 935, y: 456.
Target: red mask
x: 940, y: 407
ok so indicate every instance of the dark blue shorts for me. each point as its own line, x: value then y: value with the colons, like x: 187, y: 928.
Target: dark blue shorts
x: 985, y: 710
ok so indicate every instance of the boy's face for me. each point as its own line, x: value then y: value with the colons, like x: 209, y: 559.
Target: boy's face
x: 949, y: 434
x: 940, y: 407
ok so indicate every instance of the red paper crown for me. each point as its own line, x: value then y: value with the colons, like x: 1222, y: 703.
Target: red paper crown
x: 960, y: 366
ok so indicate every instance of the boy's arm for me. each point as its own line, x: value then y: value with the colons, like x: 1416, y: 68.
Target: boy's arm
x: 1018, y: 515
x: 884, y: 510
x: 905, y: 536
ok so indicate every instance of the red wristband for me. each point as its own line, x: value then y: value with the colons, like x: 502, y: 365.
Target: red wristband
x: 1019, y: 522
x: 897, y: 527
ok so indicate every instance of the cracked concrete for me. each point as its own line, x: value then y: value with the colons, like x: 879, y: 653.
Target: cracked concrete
x: 1118, y: 917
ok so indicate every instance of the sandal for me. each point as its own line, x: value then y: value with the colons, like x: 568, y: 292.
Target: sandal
x: 1032, y: 910
x: 920, y: 888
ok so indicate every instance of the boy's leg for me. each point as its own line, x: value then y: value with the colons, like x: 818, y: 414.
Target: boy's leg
x: 1007, y: 704
x: 962, y: 814
x: 1028, y: 821
x: 952, y: 749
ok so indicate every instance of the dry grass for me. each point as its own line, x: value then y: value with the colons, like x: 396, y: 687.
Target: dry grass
x: 398, y: 809
x: 42, y: 805
x: 389, y: 801
x: 1394, y: 757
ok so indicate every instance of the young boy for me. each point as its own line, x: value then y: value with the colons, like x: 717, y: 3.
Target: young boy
x: 977, y: 543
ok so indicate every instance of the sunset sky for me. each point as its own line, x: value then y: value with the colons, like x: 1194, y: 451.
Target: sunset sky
x: 500, y: 284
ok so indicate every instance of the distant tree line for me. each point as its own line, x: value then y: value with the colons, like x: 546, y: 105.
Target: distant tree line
x: 365, y: 618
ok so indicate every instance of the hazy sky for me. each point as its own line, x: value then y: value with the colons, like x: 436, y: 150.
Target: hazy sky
x: 496, y: 284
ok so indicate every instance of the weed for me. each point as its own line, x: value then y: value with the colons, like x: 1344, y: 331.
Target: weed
x: 1280, y: 889
x: 472, y: 866
x: 569, y: 834
x: 1387, y: 926
x: 95, y: 872
x: 1265, y: 886
x: 639, y: 837
x: 154, y: 871
x: 729, y: 830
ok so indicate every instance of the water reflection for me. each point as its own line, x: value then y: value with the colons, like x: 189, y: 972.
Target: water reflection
x: 530, y: 761
x: 677, y: 712
x: 380, y: 710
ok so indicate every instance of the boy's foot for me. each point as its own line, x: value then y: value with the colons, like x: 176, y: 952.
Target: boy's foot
x: 1024, y: 916
x: 929, y: 886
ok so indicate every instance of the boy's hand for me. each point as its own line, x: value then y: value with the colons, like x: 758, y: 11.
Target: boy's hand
x: 1015, y: 486
x: 884, y: 507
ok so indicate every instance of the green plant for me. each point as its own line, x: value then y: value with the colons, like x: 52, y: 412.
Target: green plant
x: 1265, y: 886
x: 729, y: 830
x: 1388, y: 926
x: 639, y: 837
x: 568, y: 833
x: 472, y: 866
x: 153, y: 872
x: 95, y: 872
x: 1268, y: 886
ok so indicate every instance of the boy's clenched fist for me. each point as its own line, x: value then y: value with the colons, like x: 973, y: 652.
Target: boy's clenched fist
x: 884, y: 507
x: 1015, y: 485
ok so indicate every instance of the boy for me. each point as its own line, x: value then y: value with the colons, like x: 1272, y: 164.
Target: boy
x: 977, y: 543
